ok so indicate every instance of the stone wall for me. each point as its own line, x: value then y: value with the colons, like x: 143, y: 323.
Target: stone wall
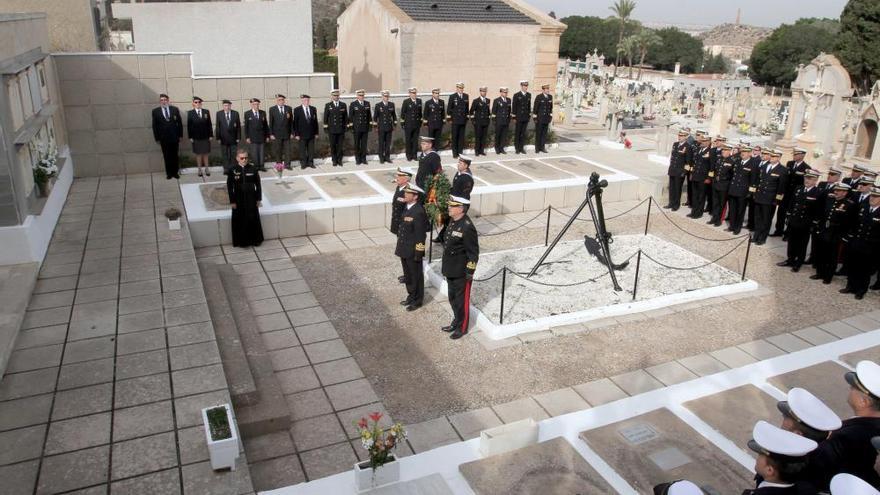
x: 108, y: 98
x: 71, y: 23
x: 369, y: 53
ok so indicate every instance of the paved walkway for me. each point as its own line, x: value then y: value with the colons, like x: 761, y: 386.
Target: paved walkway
x: 116, y: 356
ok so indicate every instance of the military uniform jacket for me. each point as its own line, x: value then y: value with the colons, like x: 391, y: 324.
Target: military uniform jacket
x: 435, y: 113
x: 795, y: 174
x: 850, y: 180
x: 458, y: 107
x: 411, y: 232
x: 461, y: 249
x: 770, y: 185
x: 359, y: 117
x: 722, y: 174
x: 805, y: 207
x: 680, y: 157
x: 199, y: 128
x: 795, y: 489
x: 522, y: 105
x: 848, y: 450
x: 836, y: 217
x: 480, y: 110
x: 462, y: 185
x: 397, y: 207
x: 385, y: 116
x: 543, y: 108
x: 501, y: 110
x: 281, y: 121
x: 229, y: 133
x: 411, y: 113
x: 702, y: 165
x: 741, y: 179
x: 256, y: 127
x: 335, y: 117
x: 429, y: 164
x: 865, y: 234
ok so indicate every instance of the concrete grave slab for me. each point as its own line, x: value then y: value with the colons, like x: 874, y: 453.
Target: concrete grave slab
x: 853, y: 358
x: 537, y: 170
x: 289, y: 191
x: 496, y: 175
x: 734, y: 412
x: 553, y: 467
x: 658, y: 446
x: 344, y: 186
x: 575, y: 166
x: 824, y: 380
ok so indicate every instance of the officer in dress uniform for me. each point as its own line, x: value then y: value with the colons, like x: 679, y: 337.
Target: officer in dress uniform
x: 461, y: 251
x: 796, y: 169
x: 411, y: 234
x: 834, y: 221
x: 256, y: 132
x: 521, y: 111
x: 281, y: 129
x: 803, y: 210
x: 480, y: 111
x: 849, y: 449
x: 695, y: 142
x: 862, y: 190
x: 411, y: 119
x: 679, y: 487
x: 335, y: 123
x: 855, y: 174
x: 359, y: 119
x: 782, y: 458
x: 700, y: 180
x: 462, y: 185
x: 543, y: 113
x: 434, y: 116
x: 716, y: 153
x: 501, y: 114
x: 755, y: 162
x: 769, y: 189
x: 826, y: 187
x: 457, y: 113
x: 738, y: 191
x: 678, y: 160
x: 721, y: 175
x: 847, y: 484
x: 398, y: 204
x: 863, y: 250
x: 385, y: 118
x: 429, y: 163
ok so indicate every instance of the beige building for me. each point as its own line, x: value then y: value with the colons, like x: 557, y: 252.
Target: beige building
x: 74, y: 25
x: 397, y: 44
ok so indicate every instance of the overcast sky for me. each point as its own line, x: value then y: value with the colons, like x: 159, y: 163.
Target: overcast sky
x: 768, y: 13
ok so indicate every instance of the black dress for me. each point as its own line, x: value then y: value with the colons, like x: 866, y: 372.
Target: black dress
x: 243, y: 185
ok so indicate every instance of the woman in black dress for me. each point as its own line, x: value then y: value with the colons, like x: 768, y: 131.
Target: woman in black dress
x: 200, y: 132
x: 245, y: 198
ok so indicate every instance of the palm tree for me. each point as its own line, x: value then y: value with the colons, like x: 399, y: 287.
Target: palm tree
x: 627, y: 49
x: 644, y: 41
x: 623, y: 9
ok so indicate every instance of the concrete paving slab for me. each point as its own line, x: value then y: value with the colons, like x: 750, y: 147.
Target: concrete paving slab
x: 341, y: 370
x: 601, y: 391
x: 789, y: 342
x: 200, y: 479
x: 431, y: 434
x: 761, y: 349
x: 142, y: 390
x: 553, y: 467
x: 82, y: 401
x: 328, y: 460
x: 733, y: 357
x: 824, y: 380
x: 276, y: 473
x: 469, y: 424
x: 20, y: 479
x: 87, y: 373
x: 308, y: 404
x: 735, y: 412
x: 142, y: 420
x: 636, y: 382
x: 328, y: 350
x: 351, y: 394
x: 839, y: 329
x: 143, y: 455
x: 671, y: 373
x: 656, y: 447
x: 22, y: 444
x: 78, y: 433
x: 562, y: 401
x: 27, y: 411
x: 74, y: 470
x: 520, y: 409
x: 165, y: 482
x: 703, y: 364
x: 862, y: 322
x: 815, y: 335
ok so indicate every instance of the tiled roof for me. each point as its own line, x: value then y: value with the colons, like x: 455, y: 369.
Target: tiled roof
x: 492, y: 11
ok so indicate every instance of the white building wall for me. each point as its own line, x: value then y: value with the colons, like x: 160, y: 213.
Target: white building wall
x: 227, y: 38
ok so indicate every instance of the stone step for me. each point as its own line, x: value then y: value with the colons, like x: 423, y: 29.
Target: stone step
x: 242, y: 387
x: 270, y: 413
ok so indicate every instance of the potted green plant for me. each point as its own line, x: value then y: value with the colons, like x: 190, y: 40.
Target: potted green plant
x: 45, y: 170
x: 221, y: 435
x: 173, y: 215
x: 382, y: 467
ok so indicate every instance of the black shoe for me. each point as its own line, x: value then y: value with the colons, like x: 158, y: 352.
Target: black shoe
x: 667, y: 207
x: 685, y: 204
x: 876, y: 286
x: 759, y: 243
x: 827, y: 282
x: 815, y: 276
x: 208, y: 173
x: 457, y: 335
x: 675, y: 209
x: 785, y: 238
x: 845, y: 290
x: 414, y: 306
x: 302, y: 167
x: 711, y: 222
x: 784, y: 263
x: 405, y: 302
x: 200, y: 174
x: 736, y: 232
x: 840, y: 273
x: 401, y: 279
x: 808, y: 261
x: 776, y: 234
x: 448, y: 328
x: 860, y: 296
x: 796, y: 268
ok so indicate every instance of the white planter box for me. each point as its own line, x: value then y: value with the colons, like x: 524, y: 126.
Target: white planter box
x: 174, y: 224
x: 385, y: 474
x: 511, y: 436
x: 223, y: 452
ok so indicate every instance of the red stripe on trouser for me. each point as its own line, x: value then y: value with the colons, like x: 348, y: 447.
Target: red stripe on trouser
x: 467, y: 306
x: 723, y: 212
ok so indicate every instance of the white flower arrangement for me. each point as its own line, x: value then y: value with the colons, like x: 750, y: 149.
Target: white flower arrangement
x: 47, y: 166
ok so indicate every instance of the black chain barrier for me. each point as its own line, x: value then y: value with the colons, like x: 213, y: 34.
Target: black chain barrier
x: 664, y: 265
x: 489, y: 278
x: 522, y: 275
x: 691, y: 233
x: 519, y: 226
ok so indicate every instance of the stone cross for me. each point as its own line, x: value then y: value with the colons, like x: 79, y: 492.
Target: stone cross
x: 342, y: 181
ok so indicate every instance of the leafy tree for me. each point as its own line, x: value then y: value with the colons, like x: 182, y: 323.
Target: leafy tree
x: 623, y: 9
x: 324, y: 62
x: 675, y: 46
x: 626, y: 49
x: 644, y: 42
x: 584, y: 34
x: 716, y: 64
x: 775, y: 59
x: 858, y: 42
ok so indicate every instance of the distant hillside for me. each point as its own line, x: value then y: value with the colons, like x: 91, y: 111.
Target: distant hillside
x: 734, y: 35
x: 324, y: 14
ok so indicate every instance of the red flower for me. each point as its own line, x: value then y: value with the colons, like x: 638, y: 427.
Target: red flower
x: 362, y: 423
x: 376, y: 416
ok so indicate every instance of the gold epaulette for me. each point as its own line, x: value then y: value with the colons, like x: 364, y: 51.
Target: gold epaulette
x: 472, y: 265
x: 420, y: 246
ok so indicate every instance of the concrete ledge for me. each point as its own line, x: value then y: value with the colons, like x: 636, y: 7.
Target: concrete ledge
x: 15, y: 291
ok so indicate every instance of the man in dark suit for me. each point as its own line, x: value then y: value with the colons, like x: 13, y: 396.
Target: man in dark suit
x: 385, y: 117
x: 522, y: 111
x: 543, y: 116
x: 501, y: 114
x: 168, y: 131
x: 360, y: 121
x: 228, y: 134
x: 769, y: 189
x: 411, y: 118
x: 305, y: 130
x: 335, y: 122
x: 480, y: 111
x: 457, y: 113
x: 433, y: 116
x: 796, y: 169
x: 256, y: 131
x: 281, y: 129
